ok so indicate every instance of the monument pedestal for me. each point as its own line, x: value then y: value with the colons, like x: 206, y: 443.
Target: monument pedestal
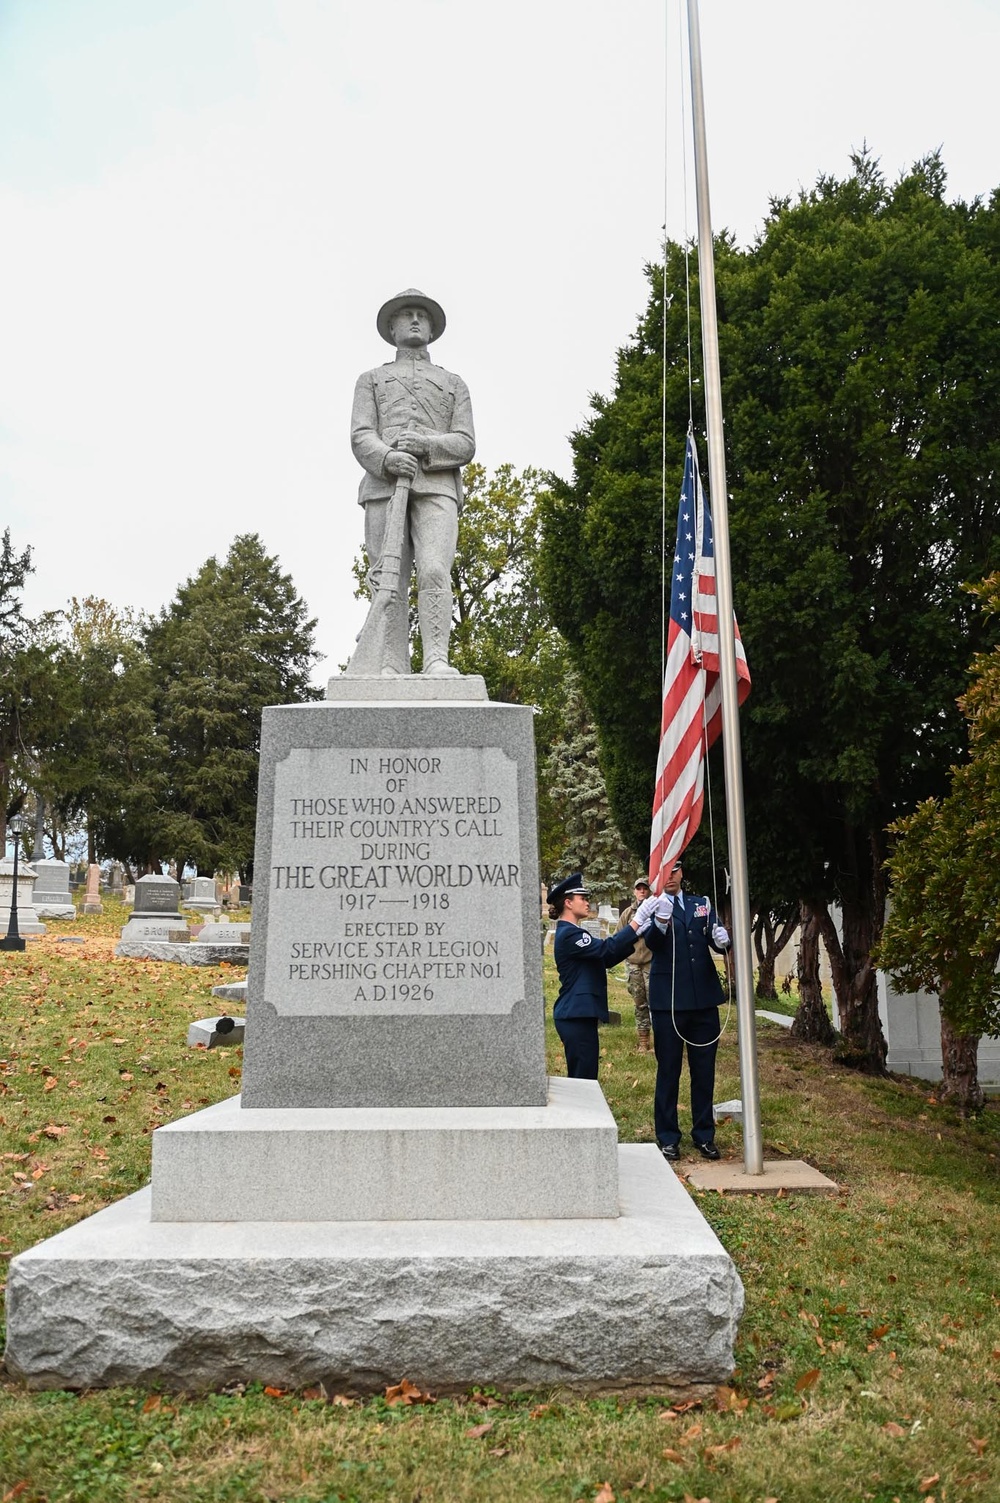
x: 642, y: 1301
x: 399, y: 1190
x: 441, y: 1163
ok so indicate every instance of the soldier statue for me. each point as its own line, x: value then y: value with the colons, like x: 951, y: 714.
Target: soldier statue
x: 411, y: 430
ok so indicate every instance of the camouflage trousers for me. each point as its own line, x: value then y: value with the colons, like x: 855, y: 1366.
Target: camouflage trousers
x: 636, y: 978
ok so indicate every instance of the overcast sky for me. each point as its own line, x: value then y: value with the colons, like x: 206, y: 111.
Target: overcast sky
x: 204, y: 202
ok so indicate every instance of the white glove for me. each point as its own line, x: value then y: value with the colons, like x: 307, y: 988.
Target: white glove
x: 644, y: 912
x: 721, y: 935
x: 664, y: 908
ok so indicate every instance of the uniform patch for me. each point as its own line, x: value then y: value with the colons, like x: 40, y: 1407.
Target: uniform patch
x: 701, y: 911
x: 583, y: 941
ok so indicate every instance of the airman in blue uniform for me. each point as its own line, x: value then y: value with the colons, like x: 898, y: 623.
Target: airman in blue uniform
x: 684, y: 996
x: 583, y: 963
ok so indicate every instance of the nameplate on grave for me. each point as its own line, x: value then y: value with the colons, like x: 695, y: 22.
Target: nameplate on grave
x: 384, y: 863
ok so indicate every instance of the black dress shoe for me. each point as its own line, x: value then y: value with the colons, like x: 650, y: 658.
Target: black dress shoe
x: 671, y: 1152
x: 709, y: 1151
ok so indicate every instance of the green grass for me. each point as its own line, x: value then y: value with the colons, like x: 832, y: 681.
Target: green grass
x: 868, y: 1357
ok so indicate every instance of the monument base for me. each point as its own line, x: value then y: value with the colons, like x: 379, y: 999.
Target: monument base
x: 183, y: 954
x: 644, y: 1301
x: 227, y: 1163
x: 54, y: 910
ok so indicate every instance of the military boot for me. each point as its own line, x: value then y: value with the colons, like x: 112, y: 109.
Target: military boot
x: 434, y: 608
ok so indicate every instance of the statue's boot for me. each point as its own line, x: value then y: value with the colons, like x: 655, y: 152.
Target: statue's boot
x: 396, y: 660
x: 434, y: 608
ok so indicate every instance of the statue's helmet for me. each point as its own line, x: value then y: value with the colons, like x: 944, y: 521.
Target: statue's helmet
x: 412, y: 297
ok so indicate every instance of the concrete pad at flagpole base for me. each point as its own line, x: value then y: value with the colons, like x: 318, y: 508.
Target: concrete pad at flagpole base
x: 794, y: 1176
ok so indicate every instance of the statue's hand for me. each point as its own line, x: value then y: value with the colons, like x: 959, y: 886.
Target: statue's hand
x: 403, y: 466
x: 414, y: 443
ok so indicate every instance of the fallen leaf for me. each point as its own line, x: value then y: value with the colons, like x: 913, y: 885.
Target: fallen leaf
x: 891, y: 1428
x: 539, y: 1410
x: 766, y: 1381
x: 475, y: 1431
x: 52, y: 1131
x: 314, y: 1393
x: 499, y: 1451
x: 979, y: 1446
x: 604, y: 1494
x: 807, y: 1380
x: 728, y: 1445
x: 406, y: 1392
x: 52, y: 1082
x: 74, y: 1199
x: 687, y: 1404
x: 669, y: 1454
x: 690, y: 1434
x: 275, y: 1393
x: 928, y: 1483
x: 342, y: 1401
x: 15, y: 1491
x: 880, y: 1331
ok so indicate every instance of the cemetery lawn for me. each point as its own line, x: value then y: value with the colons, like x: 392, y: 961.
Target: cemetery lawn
x: 868, y: 1358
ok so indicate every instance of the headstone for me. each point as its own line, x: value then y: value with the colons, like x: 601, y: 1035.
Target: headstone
x: 155, y: 915
x: 224, y: 934
x: 911, y: 1023
x: 128, y: 894
x: 201, y: 894
x: 92, y: 901
x: 27, y: 917
x: 52, y: 895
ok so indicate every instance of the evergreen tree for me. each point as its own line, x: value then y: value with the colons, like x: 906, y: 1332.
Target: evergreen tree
x: 860, y: 343
x: 235, y: 639
x: 588, y: 838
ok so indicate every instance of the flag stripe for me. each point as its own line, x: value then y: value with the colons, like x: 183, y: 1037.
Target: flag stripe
x: 691, y: 719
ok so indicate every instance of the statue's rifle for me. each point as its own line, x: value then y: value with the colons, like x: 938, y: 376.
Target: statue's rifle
x: 368, y: 658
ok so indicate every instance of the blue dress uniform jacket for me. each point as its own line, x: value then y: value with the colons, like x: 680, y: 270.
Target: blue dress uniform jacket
x: 682, y: 965
x: 583, y: 963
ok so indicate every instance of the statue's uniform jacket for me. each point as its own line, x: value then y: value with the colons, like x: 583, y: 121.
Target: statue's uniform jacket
x: 412, y: 395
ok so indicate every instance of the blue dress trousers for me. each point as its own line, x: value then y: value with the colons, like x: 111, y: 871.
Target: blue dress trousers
x: 684, y: 996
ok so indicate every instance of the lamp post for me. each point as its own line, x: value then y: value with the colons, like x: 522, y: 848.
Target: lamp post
x: 13, y: 940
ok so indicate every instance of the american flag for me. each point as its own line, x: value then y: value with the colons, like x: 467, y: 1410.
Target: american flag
x: 692, y: 694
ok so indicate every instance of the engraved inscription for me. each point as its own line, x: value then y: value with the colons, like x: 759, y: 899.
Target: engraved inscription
x: 395, y: 883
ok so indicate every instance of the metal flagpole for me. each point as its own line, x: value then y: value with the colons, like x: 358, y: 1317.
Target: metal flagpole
x: 753, y: 1156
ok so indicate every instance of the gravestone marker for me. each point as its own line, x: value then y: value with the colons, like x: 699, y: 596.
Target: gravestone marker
x: 92, y: 901
x: 52, y: 895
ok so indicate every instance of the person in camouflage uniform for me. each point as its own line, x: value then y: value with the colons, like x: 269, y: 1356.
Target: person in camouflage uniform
x: 637, y: 972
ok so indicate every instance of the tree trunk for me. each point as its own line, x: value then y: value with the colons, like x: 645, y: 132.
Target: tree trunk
x: 38, y: 849
x: 861, y: 882
x: 812, y: 1021
x: 960, y: 1069
x: 91, y: 847
x: 763, y: 943
x: 770, y: 936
